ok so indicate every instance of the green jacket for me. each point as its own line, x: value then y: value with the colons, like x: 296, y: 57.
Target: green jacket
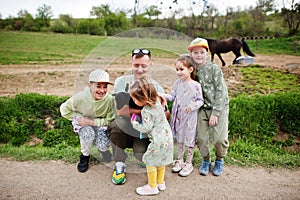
x: 214, y: 88
x: 83, y: 104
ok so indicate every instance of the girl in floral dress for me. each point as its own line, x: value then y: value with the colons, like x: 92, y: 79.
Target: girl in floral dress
x: 187, y: 99
x: 153, y: 122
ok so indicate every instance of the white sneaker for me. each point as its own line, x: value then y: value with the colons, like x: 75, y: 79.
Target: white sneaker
x: 179, y: 164
x: 147, y: 190
x: 162, y: 186
x: 186, y: 170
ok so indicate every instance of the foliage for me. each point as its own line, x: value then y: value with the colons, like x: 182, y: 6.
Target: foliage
x: 259, y: 118
x: 262, y: 19
x: 43, y: 17
x: 28, y: 115
x: 253, y: 123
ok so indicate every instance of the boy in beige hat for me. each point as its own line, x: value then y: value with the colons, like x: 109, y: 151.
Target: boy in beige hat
x: 90, y: 111
x: 213, y: 115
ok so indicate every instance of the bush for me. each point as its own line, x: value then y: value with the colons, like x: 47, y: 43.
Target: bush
x: 254, y: 119
x: 33, y: 114
x: 259, y: 118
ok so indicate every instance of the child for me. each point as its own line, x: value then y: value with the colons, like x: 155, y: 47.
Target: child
x: 187, y: 99
x: 90, y: 112
x: 153, y: 122
x: 214, y: 114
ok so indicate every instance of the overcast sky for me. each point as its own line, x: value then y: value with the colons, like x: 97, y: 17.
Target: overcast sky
x: 82, y: 8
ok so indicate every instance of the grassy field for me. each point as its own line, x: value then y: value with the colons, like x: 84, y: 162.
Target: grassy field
x: 43, y: 48
x: 286, y: 46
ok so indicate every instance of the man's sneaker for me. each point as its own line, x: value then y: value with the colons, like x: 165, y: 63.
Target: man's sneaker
x: 119, y: 176
x: 161, y: 186
x: 204, y: 168
x: 218, y: 168
x: 186, y: 170
x: 106, y: 156
x: 179, y: 164
x: 147, y: 190
x: 83, y: 164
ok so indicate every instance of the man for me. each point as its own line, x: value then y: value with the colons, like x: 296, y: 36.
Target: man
x: 121, y: 133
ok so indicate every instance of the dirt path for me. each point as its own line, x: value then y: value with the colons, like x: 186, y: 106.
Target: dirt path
x: 57, y: 180
x: 60, y: 80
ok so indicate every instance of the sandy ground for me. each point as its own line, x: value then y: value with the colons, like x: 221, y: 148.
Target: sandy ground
x: 58, y: 180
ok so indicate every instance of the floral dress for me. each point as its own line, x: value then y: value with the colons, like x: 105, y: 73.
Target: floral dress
x: 155, y: 124
x: 184, y: 125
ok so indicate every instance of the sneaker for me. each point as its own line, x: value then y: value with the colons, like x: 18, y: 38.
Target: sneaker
x: 218, y: 168
x: 161, y: 186
x: 179, y: 164
x: 204, y: 169
x: 106, y: 156
x: 83, y: 164
x: 186, y: 170
x: 147, y: 190
x: 119, y: 176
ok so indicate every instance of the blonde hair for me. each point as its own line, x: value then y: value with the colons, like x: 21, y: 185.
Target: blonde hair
x: 188, y: 62
x: 144, y: 91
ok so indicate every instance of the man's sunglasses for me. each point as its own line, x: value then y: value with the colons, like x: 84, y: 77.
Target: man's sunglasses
x: 142, y: 51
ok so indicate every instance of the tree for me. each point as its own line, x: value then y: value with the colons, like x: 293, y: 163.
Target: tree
x: 153, y: 11
x: 44, y: 16
x: 101, y: 11
x: 292, y: 17
x: 113, y: 22
x: 266, y: 5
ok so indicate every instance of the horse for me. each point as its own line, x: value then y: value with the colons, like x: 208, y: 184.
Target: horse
x: 225, y: 46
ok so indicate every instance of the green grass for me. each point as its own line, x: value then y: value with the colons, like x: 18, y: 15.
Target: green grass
x: 275, y: 46
x: 240, y: 153
x: 260, y: 80
x: 42, y: 48
x: 243, y: 153
x: 25, y: 152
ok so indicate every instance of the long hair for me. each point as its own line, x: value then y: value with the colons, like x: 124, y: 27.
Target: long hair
x: 188, y: 62
x: 143, y: 90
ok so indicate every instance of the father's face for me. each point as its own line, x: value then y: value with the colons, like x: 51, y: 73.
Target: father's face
x: 141, y: 65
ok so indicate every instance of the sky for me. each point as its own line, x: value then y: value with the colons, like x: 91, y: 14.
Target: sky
x: 82, y: 8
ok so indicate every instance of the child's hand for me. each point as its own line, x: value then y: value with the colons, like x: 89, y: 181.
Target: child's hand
x: 213, y: 120
x: 136, y: 118
x: 82, y: 121
x: 187, y: 109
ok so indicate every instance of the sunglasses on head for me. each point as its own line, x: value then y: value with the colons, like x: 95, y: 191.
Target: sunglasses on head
x: 141, y: 51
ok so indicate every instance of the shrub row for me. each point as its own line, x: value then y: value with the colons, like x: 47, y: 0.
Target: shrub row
x: 36, y: 115
x: 259, y: 118
x: 254, y: 119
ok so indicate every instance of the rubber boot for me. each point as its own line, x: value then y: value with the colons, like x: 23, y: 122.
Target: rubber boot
x: 83, y: 164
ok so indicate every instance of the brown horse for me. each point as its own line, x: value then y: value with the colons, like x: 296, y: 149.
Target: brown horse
x: 225, y: 46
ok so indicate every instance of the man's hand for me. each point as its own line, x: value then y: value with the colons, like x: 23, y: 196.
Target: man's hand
x: 164, y: 104
x: 123, y: 111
